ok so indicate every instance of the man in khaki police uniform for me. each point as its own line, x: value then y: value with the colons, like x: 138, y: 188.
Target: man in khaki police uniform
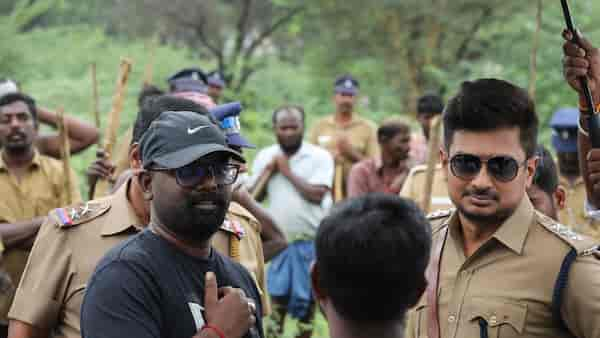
x: 495, y: 261
x: 414, y: 187
x: 348, y: 137
x: 31, y: 185
x: 66, y: 252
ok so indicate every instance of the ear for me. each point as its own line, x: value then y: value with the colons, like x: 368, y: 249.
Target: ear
x: 530, y: 166
x: 135, y: 158
x: 560, y: 197
x: 145, y: 182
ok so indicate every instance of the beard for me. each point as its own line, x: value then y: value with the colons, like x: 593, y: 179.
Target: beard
x: 189, y: 221
x: 497, y: 217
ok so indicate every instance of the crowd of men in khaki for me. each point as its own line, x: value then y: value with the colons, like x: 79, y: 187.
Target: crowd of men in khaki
x: 509, y: 248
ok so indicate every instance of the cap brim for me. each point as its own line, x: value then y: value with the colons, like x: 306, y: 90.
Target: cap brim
x: 190, y: 154
x: 564, y: 146
x: 239, y: 141
x: 344, y: 90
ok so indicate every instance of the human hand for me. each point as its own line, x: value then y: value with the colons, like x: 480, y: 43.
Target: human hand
x: 579, y: 62
x: 282, y: 164
x: 233, y: 313
x: 101, y: 168
x: 343, y: 146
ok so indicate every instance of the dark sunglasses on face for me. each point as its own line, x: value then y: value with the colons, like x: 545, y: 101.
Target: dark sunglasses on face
x: 194, y: 174
x: 501, y: 168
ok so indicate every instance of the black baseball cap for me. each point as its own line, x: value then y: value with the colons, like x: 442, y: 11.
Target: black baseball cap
x: 178, y: 138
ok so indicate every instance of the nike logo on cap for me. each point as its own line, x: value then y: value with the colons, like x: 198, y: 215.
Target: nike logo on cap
x: 191, y: 131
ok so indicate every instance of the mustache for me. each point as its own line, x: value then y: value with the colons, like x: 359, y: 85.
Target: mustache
x: 216, y: 197
x: 17, y: 133
x: 486, y: 193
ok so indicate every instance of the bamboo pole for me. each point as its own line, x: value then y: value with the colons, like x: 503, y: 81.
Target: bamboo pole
x: 65, y: 153
x: 432, y: 156
x: 149, y: 68
x: 338, y: 182
x: 534, y: 50
x: 95, y: 98
x: 114, y: 117
x: 260, y: 186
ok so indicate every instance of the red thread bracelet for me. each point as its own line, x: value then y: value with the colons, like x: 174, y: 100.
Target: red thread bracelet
x: 214, y: 329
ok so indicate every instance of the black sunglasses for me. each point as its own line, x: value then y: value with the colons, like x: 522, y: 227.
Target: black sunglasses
x: 194, y: 174
x: 501, y: 168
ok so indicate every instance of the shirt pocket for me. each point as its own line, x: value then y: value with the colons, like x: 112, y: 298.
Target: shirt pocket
x: 497, y: 318
x: 420, y: 321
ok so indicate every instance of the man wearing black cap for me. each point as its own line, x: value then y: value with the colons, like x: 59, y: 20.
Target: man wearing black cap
x: 216, y: 83
x: 163, y: 282
x: 347, y: 136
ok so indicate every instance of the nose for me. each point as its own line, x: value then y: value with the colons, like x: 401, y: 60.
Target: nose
x: 14, y: 122
x: 482, y: 179
x: 210, y: 181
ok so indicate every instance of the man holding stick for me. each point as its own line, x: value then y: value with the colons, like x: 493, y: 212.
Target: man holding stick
x: 31, y: 185
x: 578, y: 61
x: 81, y: 134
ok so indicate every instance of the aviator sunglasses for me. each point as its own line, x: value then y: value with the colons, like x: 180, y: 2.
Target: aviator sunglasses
x: 501, y: 168
x: 194, y: 174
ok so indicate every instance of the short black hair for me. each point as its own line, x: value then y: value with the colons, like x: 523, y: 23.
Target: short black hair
x: 153, y: 107
x: 430, y: 103
x: 147, y: 92
x: 390, y: 128
x: 492, y: 104
x: 287, y: 108
x: 546, y: 174
x: 371, y: 243
x: 16, y: 97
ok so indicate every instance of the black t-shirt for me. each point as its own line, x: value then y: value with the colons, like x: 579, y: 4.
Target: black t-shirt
x: 146, y: 287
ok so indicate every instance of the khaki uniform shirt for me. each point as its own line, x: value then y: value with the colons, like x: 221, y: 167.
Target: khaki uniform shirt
x: 64, y: 257
x: 414, y: 187
x: 361, y: 132
x: 239, y: 239
x: 509, y: 281
x: 40, y: 190
x: 574, y: 212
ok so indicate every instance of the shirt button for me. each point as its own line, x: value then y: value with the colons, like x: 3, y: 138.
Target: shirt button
x: 451, y: 319
x: 493, y: 320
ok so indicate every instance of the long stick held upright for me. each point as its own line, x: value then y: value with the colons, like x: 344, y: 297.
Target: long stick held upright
x: 432, y: 156
x: 95, y: 98
x: 114, y: 117
x: 65, y: 153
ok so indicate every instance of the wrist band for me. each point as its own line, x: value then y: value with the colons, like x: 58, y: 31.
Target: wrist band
x: 214, y: 329
x: 581, y: 130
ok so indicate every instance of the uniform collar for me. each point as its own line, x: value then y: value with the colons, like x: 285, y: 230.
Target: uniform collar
x: 122, y: 216
x: 513, y: 232
x: 353, y: 120
x: 34, y: 162
x: 567, y: 184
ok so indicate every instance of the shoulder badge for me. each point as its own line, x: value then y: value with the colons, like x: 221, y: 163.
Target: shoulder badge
x: 68, y: 217
x: 233, y: 227
x: 440, y: 214
x: 237, y: 211
x: 584, y: 245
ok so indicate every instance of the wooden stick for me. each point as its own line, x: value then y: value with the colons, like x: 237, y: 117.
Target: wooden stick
x: 432, y: 156
x: 261, y: 184
x: 149, y: 69
x: 95, y: 104
x: 65, y: 153
x: 110, y: 137
x: 534, y: 49
x: 338, y: 182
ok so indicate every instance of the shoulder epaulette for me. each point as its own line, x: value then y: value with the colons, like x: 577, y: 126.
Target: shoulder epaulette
x: 71, y: 216
x: 584, y: 245
x: 440, y: 214
x: 233, y: 227
x: 239, y: 211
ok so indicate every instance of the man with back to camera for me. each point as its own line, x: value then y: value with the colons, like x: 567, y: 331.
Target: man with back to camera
x: 370, y: 243
x: 495, y: 261
x: 545, y: 193
x: 163, y: 282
